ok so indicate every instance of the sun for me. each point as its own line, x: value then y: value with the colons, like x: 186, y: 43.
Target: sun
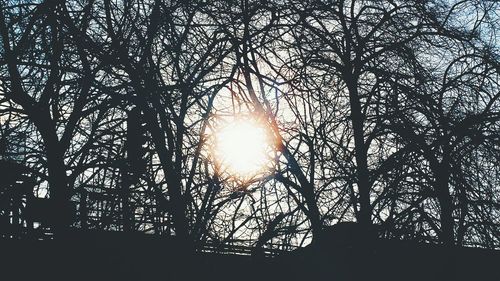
x: 243, y: 147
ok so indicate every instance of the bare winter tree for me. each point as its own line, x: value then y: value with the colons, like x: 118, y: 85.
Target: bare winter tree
x: 381, y: 112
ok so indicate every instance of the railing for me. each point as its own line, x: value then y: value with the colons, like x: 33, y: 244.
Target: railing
x: 231, y: 249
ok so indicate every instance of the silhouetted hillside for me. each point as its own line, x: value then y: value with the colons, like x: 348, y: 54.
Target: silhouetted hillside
x: 118, y: 256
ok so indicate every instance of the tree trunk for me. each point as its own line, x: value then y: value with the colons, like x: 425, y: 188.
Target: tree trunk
x: 362, y: 174
x: 445, y: 201
x: 58, y: 182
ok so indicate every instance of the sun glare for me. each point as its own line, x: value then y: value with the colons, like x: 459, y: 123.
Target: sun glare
x: 243, y: 148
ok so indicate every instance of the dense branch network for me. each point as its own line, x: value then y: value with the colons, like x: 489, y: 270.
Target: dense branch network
x: 385, y: 113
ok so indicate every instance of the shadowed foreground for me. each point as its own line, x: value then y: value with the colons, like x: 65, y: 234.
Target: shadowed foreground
x: 117, y: 256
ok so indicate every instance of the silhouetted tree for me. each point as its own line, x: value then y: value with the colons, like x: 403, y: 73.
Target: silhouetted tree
x: 382, y: 112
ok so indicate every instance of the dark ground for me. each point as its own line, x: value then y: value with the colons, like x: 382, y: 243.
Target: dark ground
x: 108, y: 256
